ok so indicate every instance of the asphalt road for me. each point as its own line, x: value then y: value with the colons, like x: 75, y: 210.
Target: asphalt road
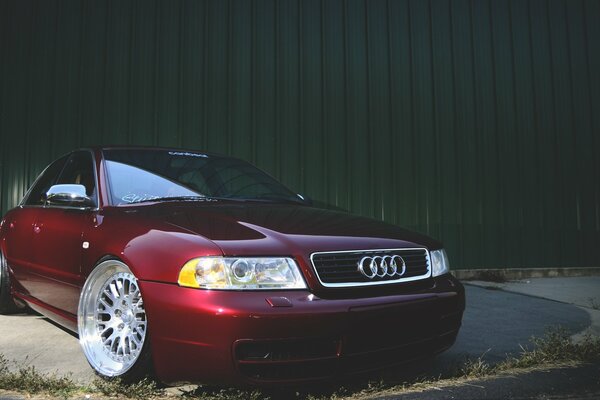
x: 496, y: 323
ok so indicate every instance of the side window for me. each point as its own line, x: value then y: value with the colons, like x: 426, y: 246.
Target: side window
x: 80, y: 170
x: 43, y: 183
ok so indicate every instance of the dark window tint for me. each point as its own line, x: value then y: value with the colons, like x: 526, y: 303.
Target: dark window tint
x: 80, y: 170
x: 132, y: 184
x: 142, y: 175
x: 43, y: 183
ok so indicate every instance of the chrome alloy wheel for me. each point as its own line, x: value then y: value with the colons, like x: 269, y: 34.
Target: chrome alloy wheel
x: 112, y: 322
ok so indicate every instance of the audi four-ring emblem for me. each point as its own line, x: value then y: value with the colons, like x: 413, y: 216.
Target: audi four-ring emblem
x: 382, y: 266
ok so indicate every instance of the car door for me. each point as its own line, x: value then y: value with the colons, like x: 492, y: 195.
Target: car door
x: 58, y: 238
x: 21, y: 222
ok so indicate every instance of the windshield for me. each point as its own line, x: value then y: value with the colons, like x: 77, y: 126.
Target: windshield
x: 138, y: 175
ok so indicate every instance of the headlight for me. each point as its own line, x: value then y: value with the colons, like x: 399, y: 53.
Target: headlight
x: 241, y: 273
x: 439, y: 262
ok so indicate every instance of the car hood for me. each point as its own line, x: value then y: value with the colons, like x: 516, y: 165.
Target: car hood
x: 275, y: 229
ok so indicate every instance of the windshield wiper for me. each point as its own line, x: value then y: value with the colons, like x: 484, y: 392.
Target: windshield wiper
x: 275, y: 197
x: 261, y: 199
x: 174, y: 198
x: 265, y: 198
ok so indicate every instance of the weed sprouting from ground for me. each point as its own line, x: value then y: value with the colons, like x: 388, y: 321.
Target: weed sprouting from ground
x: 3, y: 365
x: 476, y: 368
x: 594, y: 303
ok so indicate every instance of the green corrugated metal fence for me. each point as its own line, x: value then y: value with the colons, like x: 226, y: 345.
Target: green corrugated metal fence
x: 477, y: 122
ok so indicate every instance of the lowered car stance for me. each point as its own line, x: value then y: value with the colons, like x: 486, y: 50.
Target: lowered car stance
x: 195, y: 267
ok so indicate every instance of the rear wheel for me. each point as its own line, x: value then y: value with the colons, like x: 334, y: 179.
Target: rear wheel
x: 7, y: 303
x: 112, y: 323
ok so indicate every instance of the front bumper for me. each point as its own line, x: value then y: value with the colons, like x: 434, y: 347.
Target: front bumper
x: 256, y: 337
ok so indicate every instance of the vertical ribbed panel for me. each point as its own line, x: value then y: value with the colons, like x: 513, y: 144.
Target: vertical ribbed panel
x: 477, y: 122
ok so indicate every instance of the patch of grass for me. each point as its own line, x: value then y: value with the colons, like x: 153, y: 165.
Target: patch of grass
x: 144, y: 389
x: 555, y: 347
x: 29, y: 380
x: 216, y: 393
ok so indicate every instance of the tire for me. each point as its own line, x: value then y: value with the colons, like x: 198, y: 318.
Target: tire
x: 7, y: 303
x: 112, y: 324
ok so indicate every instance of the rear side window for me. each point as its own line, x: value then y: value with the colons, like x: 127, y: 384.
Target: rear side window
x: 44, y: 181
x: 79, y: 170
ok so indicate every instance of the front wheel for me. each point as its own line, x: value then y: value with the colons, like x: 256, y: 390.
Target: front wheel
x: 7, y: 303
x: 112, y: 323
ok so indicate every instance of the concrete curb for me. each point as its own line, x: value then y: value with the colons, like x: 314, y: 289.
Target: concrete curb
x: 507, y: 274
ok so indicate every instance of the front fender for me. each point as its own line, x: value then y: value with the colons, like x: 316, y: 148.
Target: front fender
x: 153, y: 251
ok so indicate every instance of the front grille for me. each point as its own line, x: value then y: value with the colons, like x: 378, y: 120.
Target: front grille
x: 339, y: 269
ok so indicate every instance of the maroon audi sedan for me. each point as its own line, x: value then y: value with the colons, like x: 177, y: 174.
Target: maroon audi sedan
x: 195, y: 267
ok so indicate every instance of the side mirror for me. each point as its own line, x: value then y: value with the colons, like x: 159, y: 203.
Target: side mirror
x: 72, y: 195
